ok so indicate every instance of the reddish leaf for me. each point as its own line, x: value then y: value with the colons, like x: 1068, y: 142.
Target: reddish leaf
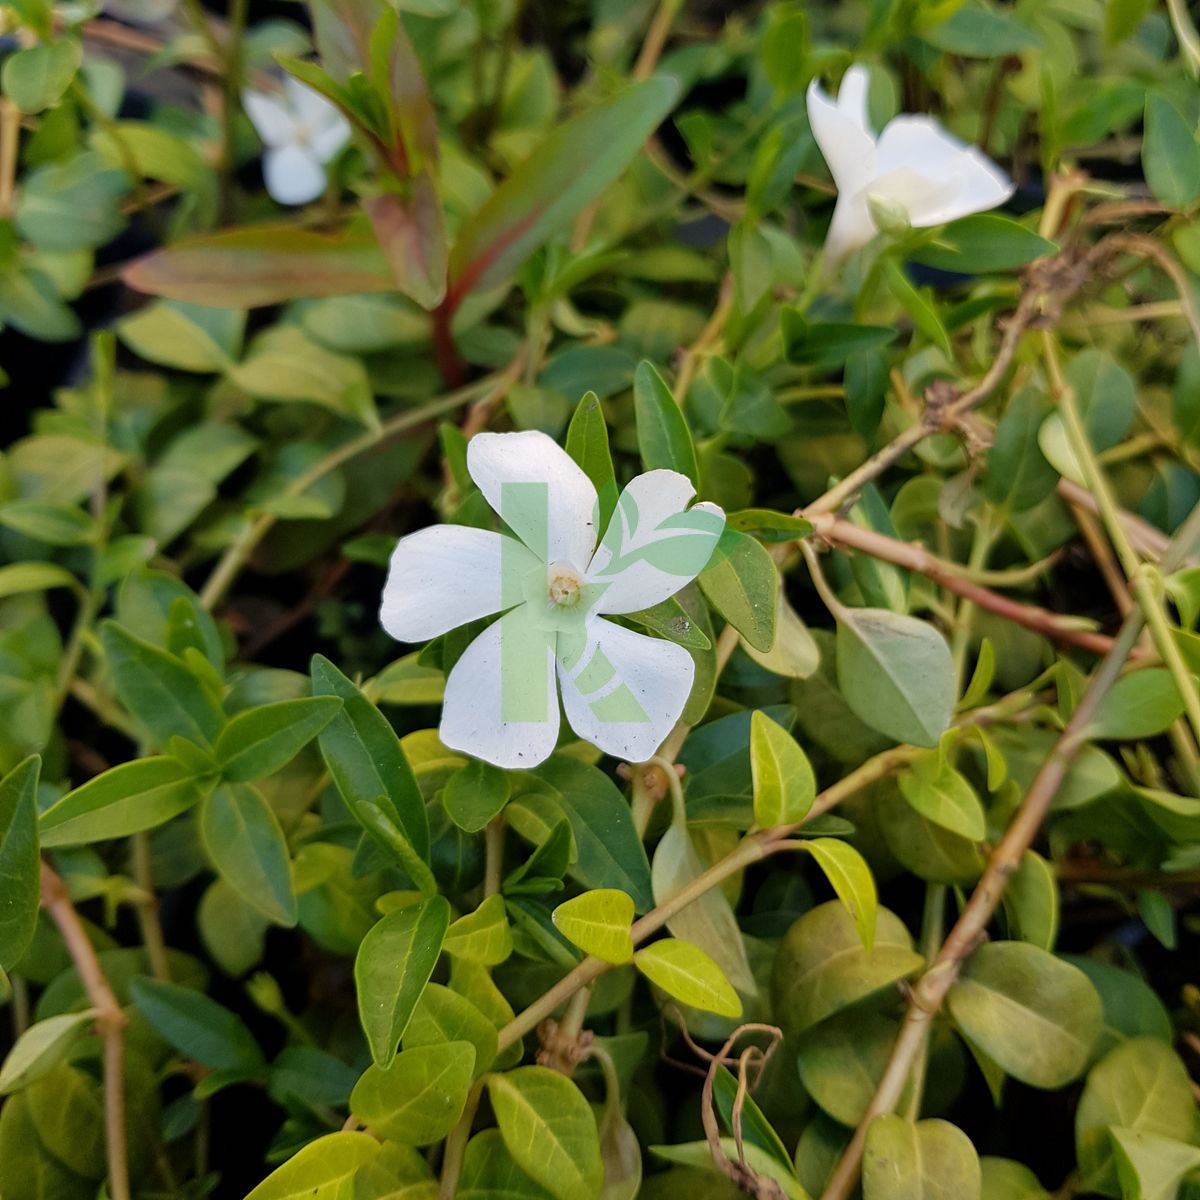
x: 263, y: 264
x: 412, y: 233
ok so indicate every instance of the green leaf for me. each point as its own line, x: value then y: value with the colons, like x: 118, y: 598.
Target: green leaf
x: 822, y: 965
x: 1170, y: 155
x: 491, y: 1173
x: 609, y: 852
x: 17, y: 578
x: 187, y: 337
x: 919, y: 308
x: 443, y: 1016
x: 397, y: 1171
x: 260, y: 741
x: 419, y: 1098
x: 1004, y: 1179
x: 198, y: 1027
x: 364, y: 757
x: 483, y: 936
x: 673, y: 621
x: 54, y: 524
x: 756, y: 1129
x: 587, y: 444
x: 264, y: 264
x: 896, y: 674
x: 742, y: 584
x: 1031, y: 901
x: 664, y: 440
x: 829, y: 343
x: 1035, y: 1015
x: 245, y: 842
x: 1151, y: 1167
x: 548, y: 1128
x: 1139, y: 705
x: 393, y: 965
x: 982, y: 244
x: 159, y: 690
x: 768, y: 525
x: 475, y: 794
x: 708, y: 922
x: 322, y: 1170
x: 851, y: 879
x: 598, y: 923
x: 73, y: 204
x: 1141, y: 1086
x: 687, y: 974
x: 978, y: 32
x: 20, y: 866
x: 940, y: 793
x: 37, y: 78
x: 925, y: 1160
x: 1018, y: 475
x: 40, y: 1049
x: 135, y: 796
x: 842, y: 1060
x: 784, y: 784
x: 570, y: 168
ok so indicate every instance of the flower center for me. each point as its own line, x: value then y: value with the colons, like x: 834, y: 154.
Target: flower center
x: 563, y: 585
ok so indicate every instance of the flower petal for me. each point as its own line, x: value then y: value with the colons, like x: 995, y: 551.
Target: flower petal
x: 852, y: 95
x: 841, y: 132
x: 654, y: 545
x: 501, y: 703
x: 623, y: 691
x: 272, y: 120
x: 444, y: 576
x: 539, y: 491
x: 292, y: 175
x: 935, y: 176
x: 327, y: 138
x: 851, y: 227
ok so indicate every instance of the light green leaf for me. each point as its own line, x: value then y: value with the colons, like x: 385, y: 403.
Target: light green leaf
x: 784, y: 784
x: 925, y: 1160
x: 17, y: 578
x: 442, y: 1016
x: 491, y: 1173
x: 40, y: 1049
x: 38, y: 77
x: 937, y: 791
x: 549, y: 1130
x: 187, y: 337
x: 1139, y: 705
x: 1142, y: 1086
x: 842, y: 1060
x: 687, y: 974
x: 1004, y: 1179
x: 1031, y: 901
x: 1150, y: 1167
x: 851, y: 879
x: 418, y: 1099
x: 896, y: 674
x: 822, y: 965
x: 482, y: 936
x: 322, y: 1170
x: 1035, y: 1015
x: 982, y: 244
x: 392, y: 967
x: 587, y: 444
x: 598, y: 923
x: 54, y: 524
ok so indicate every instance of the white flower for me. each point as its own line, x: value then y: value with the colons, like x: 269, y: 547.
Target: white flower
x: 914, y: 171
x: 621, y: 690
x: 301, y: 131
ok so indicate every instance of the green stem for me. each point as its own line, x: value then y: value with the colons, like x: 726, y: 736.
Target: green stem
x: 238, y: 553
x: 964, y: 618
x: 1140, y: 576
x: 933, y: 927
